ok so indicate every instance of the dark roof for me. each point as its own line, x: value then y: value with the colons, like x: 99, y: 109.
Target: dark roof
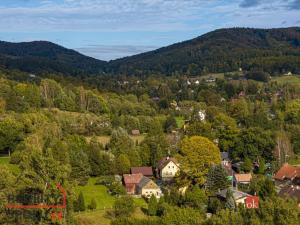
x: 164, y: 161
x: 132, y: 178
x: 287, y: 172
x: 146, y: 171
x: 236, y: 194
x: 291, y: 191
x: 225, y: 156
x: 144, y: 181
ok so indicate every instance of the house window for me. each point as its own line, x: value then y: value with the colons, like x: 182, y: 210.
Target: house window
x: 170, y: 173
x: 173, y: 167
x: 169, y: 167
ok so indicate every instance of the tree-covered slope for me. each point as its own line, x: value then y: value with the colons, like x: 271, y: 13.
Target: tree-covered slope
x: 42, y: 56
x: 273, y: 50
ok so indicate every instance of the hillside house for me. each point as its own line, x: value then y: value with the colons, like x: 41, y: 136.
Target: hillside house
x: 167, y: 168
x: 287, y: 174
x: 225, y: 158
x: 239, y: 196
x: 148, y: 187
x: 241, y: 179
x: 146, y: 171
x: 131, y: 181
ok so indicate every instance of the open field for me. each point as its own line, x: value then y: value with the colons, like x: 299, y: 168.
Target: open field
x: 97, y: 217
x: 295, y: 79
x: 12, y: 167
x: 105, y: 139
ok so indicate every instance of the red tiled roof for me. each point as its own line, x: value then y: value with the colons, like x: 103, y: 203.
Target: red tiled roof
x: 287, y: 172
x: 243, y: 177
x: 164, y: 161
x: 132, y: 178
x: 146, y: 171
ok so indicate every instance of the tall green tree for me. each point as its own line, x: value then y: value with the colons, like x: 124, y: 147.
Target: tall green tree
x: 217, y: 178
x: 197, y: 155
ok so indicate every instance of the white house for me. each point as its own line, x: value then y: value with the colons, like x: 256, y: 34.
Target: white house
x: 148, y: 187
x: 167, y: 168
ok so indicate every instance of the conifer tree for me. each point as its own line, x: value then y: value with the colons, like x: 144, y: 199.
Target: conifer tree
x: 152, y: 206
x: 81, y: 202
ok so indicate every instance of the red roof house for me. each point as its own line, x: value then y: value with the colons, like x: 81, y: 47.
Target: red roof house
x: 146, y: 171
x: 131, y: 181
x: 287, y: 172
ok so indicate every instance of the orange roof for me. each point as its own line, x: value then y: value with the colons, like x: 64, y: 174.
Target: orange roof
x: 287, y: 172
x: 132, y: 178
x: 246, y: 177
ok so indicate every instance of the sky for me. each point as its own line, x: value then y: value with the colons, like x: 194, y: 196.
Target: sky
x: 110, y: 29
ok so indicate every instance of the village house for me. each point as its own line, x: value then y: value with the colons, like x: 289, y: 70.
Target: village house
x: 148, y: 187
x: 146, y: 171
x: 287, y: 175
x: 131, y: 181
x: 241, y: 179
x: 167, y: 168
x: 225, y: 158
x: 239, y: 196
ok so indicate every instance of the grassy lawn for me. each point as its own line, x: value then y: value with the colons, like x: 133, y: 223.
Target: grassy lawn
x: 99, y: 192
x: 12, y: 167
x: 288, y: 79
x: 99, y: 217
x: 105, y: 139
x: 179, y: 121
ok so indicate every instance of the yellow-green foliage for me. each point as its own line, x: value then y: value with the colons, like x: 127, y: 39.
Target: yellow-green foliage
x: 197, y: 154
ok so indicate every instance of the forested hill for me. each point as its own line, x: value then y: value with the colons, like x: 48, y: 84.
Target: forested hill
x: 224, y: 50
x: 42, y: 56
x: 273, y: 50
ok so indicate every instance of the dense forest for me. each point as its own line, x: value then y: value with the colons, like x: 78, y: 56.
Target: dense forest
x: 42, y: 56
x: 51, y: 129
x: 275, y: 51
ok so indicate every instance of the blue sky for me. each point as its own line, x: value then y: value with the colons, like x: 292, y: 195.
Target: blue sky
x: 109, y: 29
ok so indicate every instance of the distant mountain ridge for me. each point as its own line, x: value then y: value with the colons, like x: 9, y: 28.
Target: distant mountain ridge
x: 273, y: 50
x: 223, y: 50
x: 43, y: 56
